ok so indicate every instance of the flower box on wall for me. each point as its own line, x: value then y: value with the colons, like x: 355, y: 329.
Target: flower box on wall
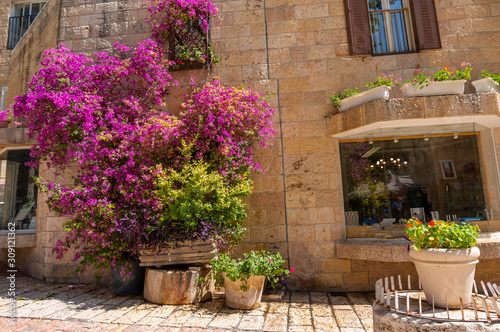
x: 486, y: 85
x: 434, y: 89
x: 380, y: 92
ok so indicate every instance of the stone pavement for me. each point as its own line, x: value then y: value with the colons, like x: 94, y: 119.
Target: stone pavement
x: 62, y: 307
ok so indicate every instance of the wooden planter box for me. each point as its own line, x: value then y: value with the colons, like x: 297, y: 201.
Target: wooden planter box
x: 201, y: 253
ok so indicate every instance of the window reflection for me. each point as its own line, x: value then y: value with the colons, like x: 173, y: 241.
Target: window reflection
x: 17, y: 190
x: 389, y: 179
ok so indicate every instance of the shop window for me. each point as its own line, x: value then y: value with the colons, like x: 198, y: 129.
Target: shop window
x: 391, y: 26
x: 439, y: 174
x: 21, y: 18
x: 18, y: 192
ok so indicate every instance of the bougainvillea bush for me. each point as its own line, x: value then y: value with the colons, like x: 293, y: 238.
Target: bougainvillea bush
x: 135, y: 165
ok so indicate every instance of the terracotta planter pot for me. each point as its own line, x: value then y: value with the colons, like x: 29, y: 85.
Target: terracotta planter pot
x: 239, y: 299
x: 446, y: 274
x: 486, y: 85
x: 4, y: 124
x: 434, y: 89
x: 380, y: 92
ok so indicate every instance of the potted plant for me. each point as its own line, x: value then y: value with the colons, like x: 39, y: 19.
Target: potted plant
x: 377, y: 90
x: 489, y: 83
x: 445, y: 256
x: 444, y: 82
x: 243, y: 279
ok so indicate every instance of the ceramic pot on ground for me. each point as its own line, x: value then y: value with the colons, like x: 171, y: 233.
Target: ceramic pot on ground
x: 132, y: 286
x: 438, y: 88
x: 236, y: 298
x: 446, y: 274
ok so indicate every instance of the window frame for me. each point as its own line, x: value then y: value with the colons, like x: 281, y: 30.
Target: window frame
x: 4, y: 232
x: 426, y: 36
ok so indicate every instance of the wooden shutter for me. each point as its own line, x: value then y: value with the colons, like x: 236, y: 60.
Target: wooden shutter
x: 358, y: 28
x: 426, y: 24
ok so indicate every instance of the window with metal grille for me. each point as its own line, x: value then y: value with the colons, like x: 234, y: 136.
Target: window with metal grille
x: 189, y: 47
x: 391, y: 26
x: 22, y: 16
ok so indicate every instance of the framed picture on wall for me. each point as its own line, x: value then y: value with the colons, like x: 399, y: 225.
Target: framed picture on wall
x: 448, y: 169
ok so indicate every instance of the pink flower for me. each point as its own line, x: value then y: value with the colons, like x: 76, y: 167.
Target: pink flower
x: 418, y: 70
x: 292, y: 270
x: 463, y: 64
x: 270, y: 260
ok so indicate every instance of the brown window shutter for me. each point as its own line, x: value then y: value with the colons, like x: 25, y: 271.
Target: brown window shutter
x: 426, y: 24
x: 358, y: 28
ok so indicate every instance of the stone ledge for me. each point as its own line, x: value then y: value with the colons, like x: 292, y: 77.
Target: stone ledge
x: 463, y: 105
x: 14, y: 136
x: 22, y: 241
x: 395, y: 250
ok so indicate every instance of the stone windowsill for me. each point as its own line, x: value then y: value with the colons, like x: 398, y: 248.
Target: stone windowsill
x: 23, y: 240
x: 395, y: 250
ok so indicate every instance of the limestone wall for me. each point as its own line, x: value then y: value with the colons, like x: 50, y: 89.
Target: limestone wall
x: 4, y: 53
x: 299, y: 50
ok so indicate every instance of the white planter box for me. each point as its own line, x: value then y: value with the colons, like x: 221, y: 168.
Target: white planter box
x: 486, y: 85
x: 380, y: 92
x: 434, y: 89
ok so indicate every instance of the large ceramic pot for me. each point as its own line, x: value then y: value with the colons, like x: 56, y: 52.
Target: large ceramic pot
x: 446, y: 274
x: 438, y: 88
x: 239, y: 299
x: 132, y: 286
x: 378, y: 93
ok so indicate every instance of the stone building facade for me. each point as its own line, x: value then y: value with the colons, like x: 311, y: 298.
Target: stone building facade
x: 301, y: 51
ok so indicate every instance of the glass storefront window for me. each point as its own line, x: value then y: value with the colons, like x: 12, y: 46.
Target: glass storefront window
x: 390, y: 175
x: 18, y: 191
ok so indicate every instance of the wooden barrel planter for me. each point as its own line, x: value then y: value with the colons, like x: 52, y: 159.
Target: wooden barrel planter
x: 180, y: 275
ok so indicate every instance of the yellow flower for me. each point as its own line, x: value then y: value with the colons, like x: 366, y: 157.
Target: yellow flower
x: 431, y: 238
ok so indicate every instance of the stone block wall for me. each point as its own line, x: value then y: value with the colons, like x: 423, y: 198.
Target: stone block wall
x: 299, y: 51
x: 4, y: 53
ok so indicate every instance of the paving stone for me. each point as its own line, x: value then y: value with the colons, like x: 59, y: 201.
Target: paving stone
x: 325, y: 324
x: 300, y: 317
x: 275, y: 322
x: 318, y: 297
x: 299, y: 297
x: 226, y: 320
x: 321, y: 310
x: 198, y: 321
x: 162, y: 311
x: 251, y: 323
x: 300, y: 328
x: 357, y: 298
x: 178, y: 318
x: 347, y: 318
x: 151, y: 321
x: 278, y: 308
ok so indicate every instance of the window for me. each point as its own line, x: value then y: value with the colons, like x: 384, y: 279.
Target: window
x: 189, y: 47
x: 394, y: 174
x: 22, y: 16
x: 18, y: 192
x: 391, y: 26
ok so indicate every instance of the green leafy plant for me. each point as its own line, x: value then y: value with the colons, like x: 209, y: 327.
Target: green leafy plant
x: 203, y: 55
x: 387, y: 80
x: 196, y: 193
x: 494, y: 77
x: 440, y: 234
x: 444, y: 74
x: 336, y: 97
x: 254, y: 263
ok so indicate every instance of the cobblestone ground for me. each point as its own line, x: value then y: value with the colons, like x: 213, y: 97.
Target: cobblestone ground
x: 62, y: 307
